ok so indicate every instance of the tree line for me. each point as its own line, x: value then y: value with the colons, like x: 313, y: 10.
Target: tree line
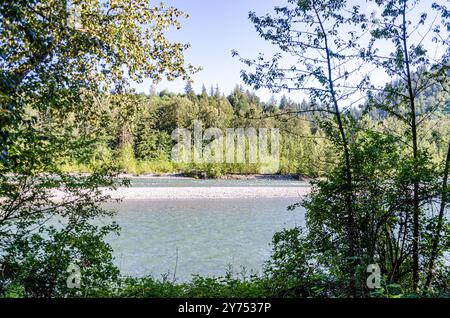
x: 135, y: 130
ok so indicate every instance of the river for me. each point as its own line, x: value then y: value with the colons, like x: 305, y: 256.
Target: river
x: 200, y: 236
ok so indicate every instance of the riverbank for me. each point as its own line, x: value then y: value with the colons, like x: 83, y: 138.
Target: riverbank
x: 210, y: 193
x: 183, y: 188
x: 179, y: 187
x: 281, y: 177
x: 236, y: 186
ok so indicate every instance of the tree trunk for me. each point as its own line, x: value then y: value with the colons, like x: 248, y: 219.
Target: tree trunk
x: 437, y: 234
x: 348, y: 173
x: 416, y: 200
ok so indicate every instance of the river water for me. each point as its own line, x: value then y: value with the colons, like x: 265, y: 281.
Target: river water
x: 199, y: 236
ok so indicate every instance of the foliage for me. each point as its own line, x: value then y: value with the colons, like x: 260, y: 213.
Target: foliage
x: 384, y: 192
x: 292, y: 270
x: 39, y: 262
x: 56, y: 60
x: 138, y: 128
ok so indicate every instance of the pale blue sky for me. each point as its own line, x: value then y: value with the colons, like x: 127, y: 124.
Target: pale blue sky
x: 216, y: 27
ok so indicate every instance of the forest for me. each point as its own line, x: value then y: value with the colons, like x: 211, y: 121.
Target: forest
x: 138, y: 130
x: 377, y: 155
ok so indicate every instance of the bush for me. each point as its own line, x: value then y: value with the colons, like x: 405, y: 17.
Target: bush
x: 292, y: 270
x: 37, y: 265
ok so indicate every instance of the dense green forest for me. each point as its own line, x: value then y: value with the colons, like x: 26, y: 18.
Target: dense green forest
x: 135, y: 130
x: 138, y: 131
x: 382, y: 150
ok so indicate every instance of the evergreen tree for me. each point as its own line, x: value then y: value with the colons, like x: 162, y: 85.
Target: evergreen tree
x: 285, y: 103
x: 204, y: 93
x: 217, y: 92
x: 271, y: 104
x: 189, y: 91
